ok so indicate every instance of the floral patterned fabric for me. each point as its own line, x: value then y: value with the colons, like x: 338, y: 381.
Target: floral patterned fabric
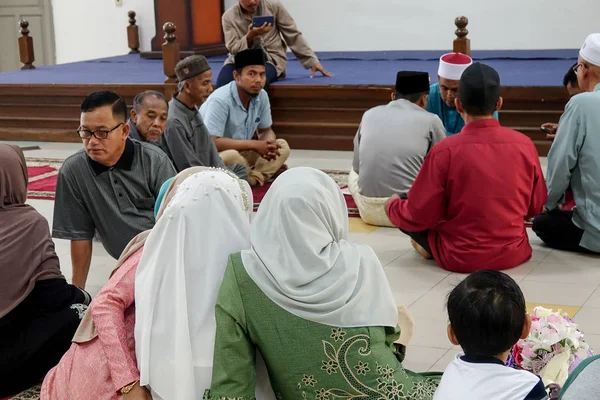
x: 305, y: 360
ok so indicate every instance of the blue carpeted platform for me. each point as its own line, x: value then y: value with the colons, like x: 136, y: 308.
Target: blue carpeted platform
x: 516, y: 68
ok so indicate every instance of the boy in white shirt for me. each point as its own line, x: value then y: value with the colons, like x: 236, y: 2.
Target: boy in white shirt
x: 487, y: 317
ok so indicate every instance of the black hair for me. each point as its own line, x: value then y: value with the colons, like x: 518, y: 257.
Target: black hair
x: 487, y: 313
x: 102, y: 99
x: 138, y: 100
x: 413, y: 97
x: 571, y: 77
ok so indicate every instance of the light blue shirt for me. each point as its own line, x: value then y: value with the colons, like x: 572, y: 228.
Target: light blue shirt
x: 451, y: 119
x: 574, y: 160
x: 225, y: 116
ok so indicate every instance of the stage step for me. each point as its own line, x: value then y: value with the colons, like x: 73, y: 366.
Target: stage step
x: 532, y: 118
x: 39, y: 135
x: 41, y: 123
x: 318, y: 114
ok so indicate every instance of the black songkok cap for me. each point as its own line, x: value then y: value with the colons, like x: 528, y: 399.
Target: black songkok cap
x: 479, y: 86
x: 249, y: 57
x: 410, y: 82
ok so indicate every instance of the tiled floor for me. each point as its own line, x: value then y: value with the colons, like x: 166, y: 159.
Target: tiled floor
x: 552, y: 278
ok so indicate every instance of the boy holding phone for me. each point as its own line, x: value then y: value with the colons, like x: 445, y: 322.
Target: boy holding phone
x: 268, y: 25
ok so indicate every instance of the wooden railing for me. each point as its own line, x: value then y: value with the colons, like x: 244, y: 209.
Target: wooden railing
x: 170, y: 48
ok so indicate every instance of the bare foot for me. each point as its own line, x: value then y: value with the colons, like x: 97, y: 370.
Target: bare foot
x: 420, y: 250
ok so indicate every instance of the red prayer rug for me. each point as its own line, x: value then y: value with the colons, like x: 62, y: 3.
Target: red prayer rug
x: 43, y: 174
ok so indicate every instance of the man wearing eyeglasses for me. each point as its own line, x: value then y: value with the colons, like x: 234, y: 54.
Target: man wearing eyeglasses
x: 573, y: 161
x: 109, y: 187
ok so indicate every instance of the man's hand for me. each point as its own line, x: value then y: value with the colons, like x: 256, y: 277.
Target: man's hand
x: 387, y: 205
x: 138, y: 393
x: 255, y: 32
x: 268, y: 149
x: 321, y: 69
x: 552, y: 128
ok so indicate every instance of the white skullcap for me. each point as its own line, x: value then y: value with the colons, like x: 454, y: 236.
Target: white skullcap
x: 452, y: 65
x: 590, y: 51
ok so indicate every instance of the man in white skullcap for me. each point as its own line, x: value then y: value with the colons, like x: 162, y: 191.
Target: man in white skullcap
x: 442, y: 94
x: 574, y: 161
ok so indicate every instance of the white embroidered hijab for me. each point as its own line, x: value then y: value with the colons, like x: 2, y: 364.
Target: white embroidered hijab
x: 301, y: 258
x: 178, y: 279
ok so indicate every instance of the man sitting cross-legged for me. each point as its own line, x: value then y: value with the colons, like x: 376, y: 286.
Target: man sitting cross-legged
x: 468, y: 205
x: 186, y: 140
x: 109, y: 187
x: 390, y: 146
x: 234, y: 112
x: 573, y: 162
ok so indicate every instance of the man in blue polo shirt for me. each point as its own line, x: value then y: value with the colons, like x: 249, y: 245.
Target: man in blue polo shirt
x: 238, y: 111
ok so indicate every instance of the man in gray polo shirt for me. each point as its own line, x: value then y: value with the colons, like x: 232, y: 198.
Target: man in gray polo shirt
x: 234, y: 113
x: 186, y: 140
x: 109, y: 187
x: 390, y: 146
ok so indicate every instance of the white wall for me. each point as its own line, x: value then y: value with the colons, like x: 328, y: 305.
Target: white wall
x: 87, y: 29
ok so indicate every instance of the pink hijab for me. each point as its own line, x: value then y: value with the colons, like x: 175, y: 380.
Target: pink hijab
x: 26, y: 248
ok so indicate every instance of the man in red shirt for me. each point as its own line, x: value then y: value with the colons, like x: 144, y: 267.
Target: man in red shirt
x: 469, y: 202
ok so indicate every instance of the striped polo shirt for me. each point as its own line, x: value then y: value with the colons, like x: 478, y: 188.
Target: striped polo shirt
x: 115, y: 203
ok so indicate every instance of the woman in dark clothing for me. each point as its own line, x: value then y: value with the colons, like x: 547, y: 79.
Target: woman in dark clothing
x: 39, y: 311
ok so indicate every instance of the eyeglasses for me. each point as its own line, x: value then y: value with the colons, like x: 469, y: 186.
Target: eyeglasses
x: 575, y: 68
x: 100, y: 135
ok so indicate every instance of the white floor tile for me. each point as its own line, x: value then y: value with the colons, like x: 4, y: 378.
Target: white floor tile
x: 567, y: 294
x: 421, y: 359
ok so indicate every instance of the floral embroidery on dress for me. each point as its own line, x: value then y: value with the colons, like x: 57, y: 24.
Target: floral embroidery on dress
x: 338, y: 334
x: 330, y: 367
x: 337, y: 360
x: 362, y: 368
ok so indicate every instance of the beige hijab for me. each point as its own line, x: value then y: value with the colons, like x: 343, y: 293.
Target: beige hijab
x: 87, y: 330
x: 26, y: 248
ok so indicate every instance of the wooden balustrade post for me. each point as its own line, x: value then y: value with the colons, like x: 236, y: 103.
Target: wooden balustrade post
x: 133, y: 34
x: 462, y: 44
x: 26, y: 46
x: 171, y: 53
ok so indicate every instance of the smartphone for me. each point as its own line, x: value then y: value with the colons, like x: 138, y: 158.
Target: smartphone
x: 546, y: 130
x: 257, y: 22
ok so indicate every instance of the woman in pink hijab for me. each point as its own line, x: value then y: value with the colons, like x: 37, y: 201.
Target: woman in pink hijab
x: 39, y: 311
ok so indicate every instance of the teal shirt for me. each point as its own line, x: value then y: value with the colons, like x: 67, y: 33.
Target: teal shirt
x: 225, y: 116
x: 451, y: 119
x: 574, y: 160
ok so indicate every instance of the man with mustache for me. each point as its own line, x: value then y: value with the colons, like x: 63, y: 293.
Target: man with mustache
x: 237, y: 111
x: 108, y: 188
x: 186, y: 139
x: 240, y: 34
x: 443, y: 94
x: 149, y: 116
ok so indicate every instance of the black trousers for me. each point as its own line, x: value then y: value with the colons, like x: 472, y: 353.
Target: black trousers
x: 422, y: 238
x: 557, y: 230
x: 37, y: 333
x: 226, y: 75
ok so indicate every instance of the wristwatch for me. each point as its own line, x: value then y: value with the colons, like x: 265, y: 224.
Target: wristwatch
x: 128, y: 388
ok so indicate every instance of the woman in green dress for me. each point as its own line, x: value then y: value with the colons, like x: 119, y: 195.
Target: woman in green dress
x: 318, y: 308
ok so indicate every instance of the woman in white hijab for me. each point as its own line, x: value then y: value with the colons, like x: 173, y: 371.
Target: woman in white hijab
x: 318, y: 308
x: 152, y: 325
x: 178, y: 278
